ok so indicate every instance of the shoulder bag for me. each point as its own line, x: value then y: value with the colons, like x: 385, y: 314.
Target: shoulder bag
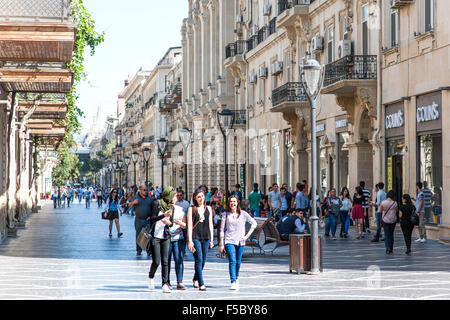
x: 382, y: 216
x: 144, y: 238
x: 414, y: 219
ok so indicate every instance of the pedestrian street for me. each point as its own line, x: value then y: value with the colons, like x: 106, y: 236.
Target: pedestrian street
x: 66, y: 254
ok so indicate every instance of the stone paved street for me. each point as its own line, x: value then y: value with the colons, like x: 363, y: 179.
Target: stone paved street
x: 67, y: 254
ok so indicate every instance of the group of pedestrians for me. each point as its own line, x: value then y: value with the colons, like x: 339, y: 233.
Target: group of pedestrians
x: 62, y: 195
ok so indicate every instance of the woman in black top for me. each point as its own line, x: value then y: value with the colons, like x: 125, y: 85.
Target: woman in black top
x: 200, y: 235
x: 405, y: 211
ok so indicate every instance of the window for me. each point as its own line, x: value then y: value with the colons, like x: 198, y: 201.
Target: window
x: 345, y: 29
x: 287, y: 66
x: 365, y: 30
x: 330, y: 44
x: 394, y: 27
x: 429, y: 15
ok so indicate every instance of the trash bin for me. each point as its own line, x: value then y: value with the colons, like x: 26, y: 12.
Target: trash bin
x: 300, y: 253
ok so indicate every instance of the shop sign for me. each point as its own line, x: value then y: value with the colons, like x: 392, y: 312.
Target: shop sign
x: 428, y: 113
x: 320, y: 127
x: 389, y: 173
x: 395, y: 120
x: 341, y: 124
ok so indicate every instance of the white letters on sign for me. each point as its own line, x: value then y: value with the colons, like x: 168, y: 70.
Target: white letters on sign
x: 395, y: 120
x: 428, y: 113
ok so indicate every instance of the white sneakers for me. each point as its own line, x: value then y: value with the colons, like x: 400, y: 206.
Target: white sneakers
x: 421, y: 240
x: 166, y: 289
x: 235, y: 285
x: 151, y: 284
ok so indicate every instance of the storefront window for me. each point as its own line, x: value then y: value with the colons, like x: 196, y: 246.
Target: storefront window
x: 430, y: 152
x: 275, y: 157
x: 343, y: 139
x: 395, y: 167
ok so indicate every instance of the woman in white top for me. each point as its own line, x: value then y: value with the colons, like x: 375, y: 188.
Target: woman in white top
x: 344, y: 212
x: 233, y: 237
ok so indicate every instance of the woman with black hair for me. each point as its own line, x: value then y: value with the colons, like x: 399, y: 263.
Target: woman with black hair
x: 388, y: 209
x: 406, y: 210
x: 200, y: 235
x: 344, y: 211
x: 358, y: 211
x: 112, y: 211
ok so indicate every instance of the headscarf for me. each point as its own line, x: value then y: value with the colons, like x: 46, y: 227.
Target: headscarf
x: 166, y: 199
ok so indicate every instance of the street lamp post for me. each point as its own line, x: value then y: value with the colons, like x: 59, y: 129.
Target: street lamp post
x: 135, y: 158
x: 114, y: 175
x: 225, y: 119
x: 312, y: 77
x: 110, y: 174
x: 127, y: 163
x: 185, y: 138
x: 120, y: 167
x: 162, y: 148
x: 146, y: 158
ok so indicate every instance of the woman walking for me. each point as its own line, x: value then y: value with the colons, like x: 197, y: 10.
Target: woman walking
x: 344, y: 212
x: 406, y: 210
x: 334, y: 207
x: 233, y: 237
x: 112, y: 212
x: 161, y: 218
x: 388, y: 209
x: 358, y: 212
x: 200, y: 235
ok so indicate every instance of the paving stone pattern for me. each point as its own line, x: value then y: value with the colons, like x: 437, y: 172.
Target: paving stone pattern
x: 66, y: 254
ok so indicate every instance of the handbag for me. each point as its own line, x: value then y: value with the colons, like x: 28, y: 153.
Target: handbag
x: 144, y: 238
x: 103, y: 215
x: 415, y: 220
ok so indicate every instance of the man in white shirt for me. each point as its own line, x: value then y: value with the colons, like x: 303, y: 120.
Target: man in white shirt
x: 274, y: 200
x: 381, y: 196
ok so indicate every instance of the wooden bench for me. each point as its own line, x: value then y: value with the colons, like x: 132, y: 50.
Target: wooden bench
x: 270, y: 235
x: 253, y: 242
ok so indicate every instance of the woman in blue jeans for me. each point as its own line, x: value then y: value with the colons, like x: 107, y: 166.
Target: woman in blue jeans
x: 345, y: 211
x: 200, y: 235
x: 232, y: 233
x: 388, y: 209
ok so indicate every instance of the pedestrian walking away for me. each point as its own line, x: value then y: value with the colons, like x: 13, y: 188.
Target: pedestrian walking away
x: 381, y: 196
x: 334, y: 207
x: 255, y: 200
x: 112, y: 209
x: 233, y: 237
x: 142, y: 205
x: 367, y: 200
x: 161, y: 218
x: 200, y: 235
x: 358, y: 212
x: 274, y: 202
x: 420, y: 210
x: 388, y: 209
x: 406, y: 211
x: 178, y: 238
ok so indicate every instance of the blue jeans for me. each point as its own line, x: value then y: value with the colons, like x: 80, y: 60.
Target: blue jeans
x: 254, y: 212
x: 55, y: 203
x: 377, y: 236
x: 138, y: 225
x: 389, y: 235
x: 88, y: 202
x: 177, y: 250
x: 330, y: 223
x: 234, y: 254
x: 344, y: 221
x: 201, y: 251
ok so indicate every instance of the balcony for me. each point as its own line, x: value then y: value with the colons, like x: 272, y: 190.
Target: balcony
x: 240, y: 118
x: 166, y: 104
x: 147, y: 141
x: 36, y: 30
x: 346, y: 75
x: 262, y: 34
x: 45, y: 110
x: 289, y: 11
x: 288, y: 97
x: 177, y: 93
x: 236, y: 48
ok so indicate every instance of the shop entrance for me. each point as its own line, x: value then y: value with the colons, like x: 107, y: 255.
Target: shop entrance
x: 395, y: 168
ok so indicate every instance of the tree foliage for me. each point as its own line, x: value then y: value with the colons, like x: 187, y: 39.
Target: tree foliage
x: 86, y: 38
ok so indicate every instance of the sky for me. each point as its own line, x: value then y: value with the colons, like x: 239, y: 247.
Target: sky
x: 137, y: 34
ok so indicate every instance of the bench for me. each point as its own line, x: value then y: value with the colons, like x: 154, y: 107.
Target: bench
x: 253, y: 242
x: 270, y: 235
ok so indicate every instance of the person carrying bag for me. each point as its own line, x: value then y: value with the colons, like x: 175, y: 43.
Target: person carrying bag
x: 389, y: 209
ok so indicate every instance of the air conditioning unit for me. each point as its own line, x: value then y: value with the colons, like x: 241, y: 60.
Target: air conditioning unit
x: 263, y: 72
x: 267, y: 9
x: 237, y: 82
x: 277, y: 67
x: 344, y: 48
x: 253, y: 77
x: 400, y: 3
x: 317, y: 44
x: 239, y: 18
x: 254, y: 30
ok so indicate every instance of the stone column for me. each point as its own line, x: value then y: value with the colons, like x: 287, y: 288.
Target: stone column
x: 185, y: 64
x: 213, y: 65
x: 445, y: 230
x: 411, y: 142
x: 206, y: 47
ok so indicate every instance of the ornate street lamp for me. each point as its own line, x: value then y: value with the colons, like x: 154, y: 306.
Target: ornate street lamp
x: 127, y: 163
x: 225, y: 119
x: 120, y: 167
x: 109, y: 167
x: 135, y: 158
x: 162, y: 148
x: 146, y: 158
x: 185, y: 139
x: 312, y: 75
x: 114, y: 175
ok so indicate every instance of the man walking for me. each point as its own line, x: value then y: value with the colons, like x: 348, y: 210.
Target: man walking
x: 255, y: 200
x: 367, y: 200
x: 274, y: 201
x: 420, y: 210
x: 87, y: 196
x: 142, y: 205
x: 69, y: 196
x: 428, y: 196
x: 381, y: 196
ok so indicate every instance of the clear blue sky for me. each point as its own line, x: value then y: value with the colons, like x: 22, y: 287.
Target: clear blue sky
x: 137, y: 34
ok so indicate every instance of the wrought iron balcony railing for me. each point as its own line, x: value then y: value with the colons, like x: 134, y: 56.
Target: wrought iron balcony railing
x: 148, y: 139
x: 240, y: 117
x: 289, y: 92
x: 351, y: 67
x: 283, y: 5
x: 35, y: 10
x: 235, y: 48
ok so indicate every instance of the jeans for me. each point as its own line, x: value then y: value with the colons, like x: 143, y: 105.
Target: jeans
x: 428, y: 214
x: 88, y: 202
x: 254, y: 212
x: 160, y: 255
x: 330, y: 223
x: 234, y: 254
x: 389, y: 235
x: 407, y: 230
x: 201, y: 251
x: 378, y: 235
x: 344, y: 221
x: 177, y: 250
x: 138, y: 225
x: 422, y: 230
x: 68, y: 202
x: 79, y: 199
x: 99, y: 202
x: 366, y: 224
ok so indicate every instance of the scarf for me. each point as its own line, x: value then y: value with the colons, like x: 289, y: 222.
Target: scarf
x: 166, y: 199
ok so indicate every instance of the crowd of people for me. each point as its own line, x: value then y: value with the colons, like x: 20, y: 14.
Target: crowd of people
x: 176, y: 224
